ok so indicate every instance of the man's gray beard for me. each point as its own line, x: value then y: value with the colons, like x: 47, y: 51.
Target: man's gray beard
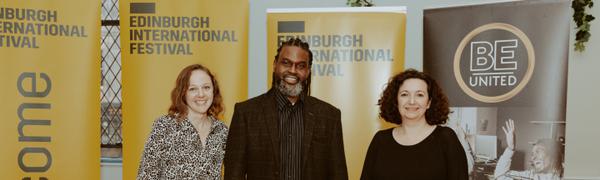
x: 290, y: 90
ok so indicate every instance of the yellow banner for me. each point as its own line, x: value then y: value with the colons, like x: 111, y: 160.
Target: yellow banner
x: 161, y: 37
x: 50, y: 93
x: 355, y: 51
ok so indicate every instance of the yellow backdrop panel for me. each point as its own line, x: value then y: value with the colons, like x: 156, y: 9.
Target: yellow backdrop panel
x: 50, y: 93
x: 355, y: 51
x: 161, y: 37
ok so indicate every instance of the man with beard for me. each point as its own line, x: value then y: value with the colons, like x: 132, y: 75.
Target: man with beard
x: 285, y: 133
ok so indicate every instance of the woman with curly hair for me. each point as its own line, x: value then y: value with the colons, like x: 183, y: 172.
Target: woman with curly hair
x: 418, y: 148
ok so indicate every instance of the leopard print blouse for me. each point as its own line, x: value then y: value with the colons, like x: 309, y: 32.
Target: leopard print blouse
x: 174, y: 151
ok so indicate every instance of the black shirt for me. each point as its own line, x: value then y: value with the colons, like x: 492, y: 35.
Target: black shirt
x: 290, y: 133
x: 439, y: 156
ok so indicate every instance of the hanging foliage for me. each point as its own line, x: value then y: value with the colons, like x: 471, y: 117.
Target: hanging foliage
x: 582, y: 20
x: 360, y: 3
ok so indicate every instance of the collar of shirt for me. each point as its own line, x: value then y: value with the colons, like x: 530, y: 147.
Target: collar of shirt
x: 283, y: 101
x: 213, y: 126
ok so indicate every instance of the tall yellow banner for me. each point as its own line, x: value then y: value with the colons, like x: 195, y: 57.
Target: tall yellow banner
x: 161, y: 37
x: 355, y: 51
x: 50, y: 89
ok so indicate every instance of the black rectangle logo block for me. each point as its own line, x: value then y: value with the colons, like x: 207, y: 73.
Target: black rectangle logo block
x: 290, y: 26
x: 142, y: 8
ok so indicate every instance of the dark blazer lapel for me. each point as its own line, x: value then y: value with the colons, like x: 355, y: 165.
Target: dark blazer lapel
x: 309, y: 123
x: 272, y: 122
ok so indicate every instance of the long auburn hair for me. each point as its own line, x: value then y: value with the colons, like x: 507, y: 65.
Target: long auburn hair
x: 179, y: 108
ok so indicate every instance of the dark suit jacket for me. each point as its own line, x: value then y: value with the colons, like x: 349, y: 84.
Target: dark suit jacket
x: 252, y: 150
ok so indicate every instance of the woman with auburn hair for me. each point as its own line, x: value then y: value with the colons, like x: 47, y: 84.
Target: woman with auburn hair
x: 188, y: 142
x: 418, y: 148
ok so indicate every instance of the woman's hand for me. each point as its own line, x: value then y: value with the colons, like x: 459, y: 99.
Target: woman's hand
x: 509, y: 131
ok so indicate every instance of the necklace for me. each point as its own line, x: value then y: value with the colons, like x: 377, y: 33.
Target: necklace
x: 201, y: 124
x: 201, y: 129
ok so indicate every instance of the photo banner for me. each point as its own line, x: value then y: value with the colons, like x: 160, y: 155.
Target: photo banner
x: 355, y: 52
x: 161, y: 37
x: 50, y: 92
x: 502, y: 62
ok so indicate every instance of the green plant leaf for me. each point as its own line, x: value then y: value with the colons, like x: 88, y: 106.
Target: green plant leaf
x: 582, y: 19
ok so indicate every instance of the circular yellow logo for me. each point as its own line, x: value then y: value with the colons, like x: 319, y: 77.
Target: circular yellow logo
x: 496, y: 60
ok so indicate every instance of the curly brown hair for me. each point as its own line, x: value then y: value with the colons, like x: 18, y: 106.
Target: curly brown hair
x: 178, y: 108
x: 388, y: 103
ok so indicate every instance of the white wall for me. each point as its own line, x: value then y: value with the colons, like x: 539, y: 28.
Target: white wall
x: 583, y: 100
x: 582, y: 157
x: 111, y: 170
